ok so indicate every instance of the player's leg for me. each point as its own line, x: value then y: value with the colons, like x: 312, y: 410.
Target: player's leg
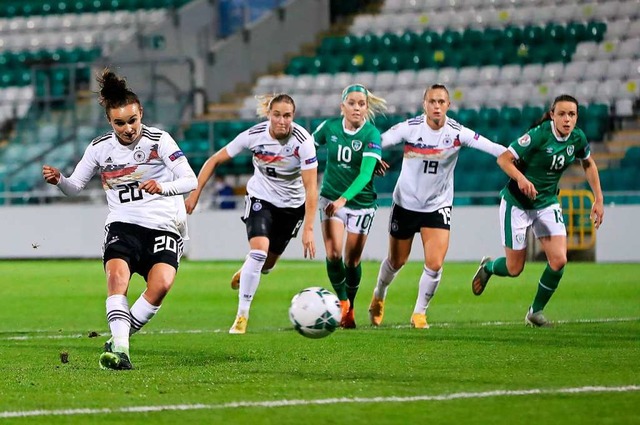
x: 513, y: 232
x: 358, y: 224
x: 435, y: 242
x: 258, y: 221
x: 121, y: 243
x: 403, y: 225
x: 552, y: 234
x: 333, y: 237
x: 159, y: 269
x: 398, y: 255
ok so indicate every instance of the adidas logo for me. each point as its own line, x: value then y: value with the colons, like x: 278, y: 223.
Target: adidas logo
x: 419, y: 139
x: 109, y: 161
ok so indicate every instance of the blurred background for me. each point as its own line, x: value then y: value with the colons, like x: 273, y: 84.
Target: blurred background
x: 197, y: 65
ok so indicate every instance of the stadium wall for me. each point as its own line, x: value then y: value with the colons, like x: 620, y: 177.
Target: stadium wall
x: 75, y: 231
x: 243, y: 56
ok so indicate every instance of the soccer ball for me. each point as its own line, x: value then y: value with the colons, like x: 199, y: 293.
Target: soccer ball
x: 315, y: 312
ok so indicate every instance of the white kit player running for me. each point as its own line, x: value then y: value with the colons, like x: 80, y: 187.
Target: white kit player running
x: 423, y: 197
x: 143, y: 172
x: 282, y: 194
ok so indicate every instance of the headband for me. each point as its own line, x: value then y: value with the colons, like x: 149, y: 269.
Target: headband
x: 354, y: 87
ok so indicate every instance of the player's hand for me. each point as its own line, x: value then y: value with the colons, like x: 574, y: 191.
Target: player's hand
x: 527, y: 188
x: 191, y: 201
x: 333, y: 207
x: 151, y: 186
x: 308, y: 245
x: 381, y: 168
x: 597, y: 213
x: 51, y: 174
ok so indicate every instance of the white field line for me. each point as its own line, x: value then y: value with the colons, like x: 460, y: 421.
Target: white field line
x: 41, y: 334
x: 326, y: 401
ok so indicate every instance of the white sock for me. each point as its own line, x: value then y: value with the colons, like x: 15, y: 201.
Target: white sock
x: 429, y: 282
x: 249, y: 280
x: 141, y: 312
x: 385, y: 277
x: 119, y: 322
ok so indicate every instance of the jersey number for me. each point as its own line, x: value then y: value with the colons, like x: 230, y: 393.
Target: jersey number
x: 129, y: 192
x: 446, y: 214
x: 271, y: 172
x: 165, y: 243
x: 344, y: 153
x: 559, y: 216
x: 430, y: 167
x: 557, y: 163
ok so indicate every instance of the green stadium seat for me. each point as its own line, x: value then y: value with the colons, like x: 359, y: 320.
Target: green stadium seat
x: 555, y: 32
x: 389, y: 42
x: 409, y: 42
x: 513, y: 35
x: 451, y: 39
x: 369, y: 44
x: 473, y: 37
x: 489, y: 117
x: 467, y: 117
x: 576, y: 32
x: 428, y: 40
x: 596, y: 30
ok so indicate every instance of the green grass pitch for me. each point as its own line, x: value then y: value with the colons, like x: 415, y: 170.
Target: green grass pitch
x: 478, y: 364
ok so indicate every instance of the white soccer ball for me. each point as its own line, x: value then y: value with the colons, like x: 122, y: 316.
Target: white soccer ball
x: 315, y: 312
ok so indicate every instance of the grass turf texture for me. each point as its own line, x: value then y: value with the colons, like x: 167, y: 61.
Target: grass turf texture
x: 186, y: 357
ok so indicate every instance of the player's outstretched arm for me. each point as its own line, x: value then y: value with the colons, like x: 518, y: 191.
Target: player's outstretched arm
x: 204, y: 175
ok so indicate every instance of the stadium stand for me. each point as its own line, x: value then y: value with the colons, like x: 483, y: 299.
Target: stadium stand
x: 503, y: 62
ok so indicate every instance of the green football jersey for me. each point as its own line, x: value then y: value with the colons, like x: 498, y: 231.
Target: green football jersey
x: 542, y: 156
x: 344, y: 157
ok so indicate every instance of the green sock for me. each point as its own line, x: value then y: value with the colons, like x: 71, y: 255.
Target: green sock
x: 336, y: 273
x: 354, y: 274
x: 548, y: 283
x: 497, y: 267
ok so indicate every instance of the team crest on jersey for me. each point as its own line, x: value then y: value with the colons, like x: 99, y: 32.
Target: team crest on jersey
x: 520, y: 238
x: 139, y: 156
x: 356, y: 145
x: 570, y: 150
x: 394, y: 226
x: 257, y: 206
x: 524, y: 140
x: 287, y: 150
x: 334, y: 139
x: 447, y: 141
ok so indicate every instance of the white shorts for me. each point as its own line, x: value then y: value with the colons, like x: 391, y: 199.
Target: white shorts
x: 514, y: 223
x: 355, y: 221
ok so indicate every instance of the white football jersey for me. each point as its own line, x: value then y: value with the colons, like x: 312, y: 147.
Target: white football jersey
x: 426, y: 179
x: 123, y: 167
x: 277, y: 163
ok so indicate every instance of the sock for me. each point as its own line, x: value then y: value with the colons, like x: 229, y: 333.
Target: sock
x: 429, y: 282
x: 546, y: 287
x: 336, y: 273
x: 249, y: 280
x: 497, y: 267
x: 141, y: 312
x: 385, y: 277
x: 119, y: 322
x: 354, y: 275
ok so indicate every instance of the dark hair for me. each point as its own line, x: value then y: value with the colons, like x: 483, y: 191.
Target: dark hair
x: 114, y: 92
x: 434, y: 87
x: 547, y: 115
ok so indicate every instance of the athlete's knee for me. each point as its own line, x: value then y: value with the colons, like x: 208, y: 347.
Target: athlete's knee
x: 396, y: 263
x: 558, y: 262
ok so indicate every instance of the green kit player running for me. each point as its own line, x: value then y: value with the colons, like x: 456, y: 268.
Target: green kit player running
x: 347, y: 197
x: 535, y: 162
